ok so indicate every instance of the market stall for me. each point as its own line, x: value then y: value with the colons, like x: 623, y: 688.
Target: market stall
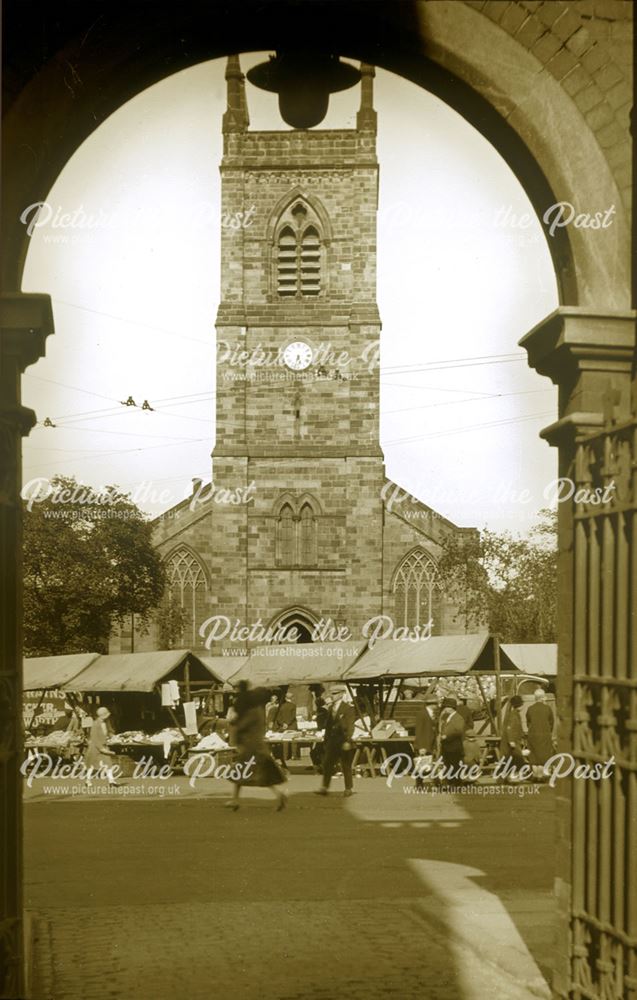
x: 52, y: 717
x: 538, y: 659
x: 380, y: 674
x: 297, y: 665
x: 150, y: 697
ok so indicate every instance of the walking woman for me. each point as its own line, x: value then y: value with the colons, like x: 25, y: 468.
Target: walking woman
x: 258, y: 768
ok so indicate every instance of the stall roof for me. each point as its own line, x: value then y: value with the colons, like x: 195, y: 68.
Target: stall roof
x: 299, y: 663
x: 54, y: 671
x: 435, y: 657
x: 533, y: 657
x: 223, y: 667
x: 135, y: 671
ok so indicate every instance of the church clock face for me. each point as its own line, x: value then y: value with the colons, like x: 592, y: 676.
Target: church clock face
x: 298, y: 356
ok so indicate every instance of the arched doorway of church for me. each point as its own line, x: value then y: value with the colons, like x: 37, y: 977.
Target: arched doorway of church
x: 295, y: 625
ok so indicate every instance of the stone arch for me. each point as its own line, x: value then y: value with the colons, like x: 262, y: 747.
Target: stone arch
x: 282, y: 500
x: 496, y: 63
x: 297, y: 615
x: 311, y: 501
x: 286, y: 202
x: 535, y: 78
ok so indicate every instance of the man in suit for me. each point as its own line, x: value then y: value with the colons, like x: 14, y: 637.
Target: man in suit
x: 451, y: 731
x: 284, y: 718
x: 425, y: 735
x: 339, y: 728
x: 466, y: 713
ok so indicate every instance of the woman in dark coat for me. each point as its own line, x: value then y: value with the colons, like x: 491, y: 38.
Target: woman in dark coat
x: 539, y: 722
x: 258, y: 768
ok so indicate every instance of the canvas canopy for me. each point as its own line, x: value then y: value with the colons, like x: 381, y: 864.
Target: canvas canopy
x: 298, y: 663
x: 136, y: 671
x: 223, y: 667
x: 48, y: 672
x: 533, y: 657
x: 439, y: 656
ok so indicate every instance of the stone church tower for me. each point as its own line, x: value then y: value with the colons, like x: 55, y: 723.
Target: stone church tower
x: 302, y: 524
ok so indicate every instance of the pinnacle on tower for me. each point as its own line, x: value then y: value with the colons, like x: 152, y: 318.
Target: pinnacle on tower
x: 235, y: 117
x: 366, y: 118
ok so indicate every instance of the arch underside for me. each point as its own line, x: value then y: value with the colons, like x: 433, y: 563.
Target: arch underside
x: 459, y: 55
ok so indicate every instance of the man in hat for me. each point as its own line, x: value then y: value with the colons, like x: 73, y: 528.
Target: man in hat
x: 425, y: 732
x: 339, y: 728
x: 451, y: 731
x: 539, y: 721
x: 97, y: 749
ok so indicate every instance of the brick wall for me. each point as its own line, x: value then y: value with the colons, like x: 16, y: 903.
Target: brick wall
x: 587, y: 47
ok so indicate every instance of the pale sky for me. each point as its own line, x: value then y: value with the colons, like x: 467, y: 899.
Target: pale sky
x: 135, y: 288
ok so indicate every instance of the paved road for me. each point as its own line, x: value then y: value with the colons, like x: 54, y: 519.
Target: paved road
x: 383, y: 895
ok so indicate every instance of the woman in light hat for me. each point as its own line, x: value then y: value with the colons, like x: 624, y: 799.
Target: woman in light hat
x: 97, y: 750
x: 539, y: 721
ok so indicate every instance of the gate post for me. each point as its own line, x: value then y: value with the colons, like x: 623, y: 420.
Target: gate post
x: 589, y: 355
x: 25, y: 322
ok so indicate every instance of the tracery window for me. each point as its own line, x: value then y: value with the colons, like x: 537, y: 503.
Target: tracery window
x: 298, y: 253
x: 297, y: 532
x: 186, y: 588
x: 307, y: 536
x: 287, y: 536
x: 417, y: 591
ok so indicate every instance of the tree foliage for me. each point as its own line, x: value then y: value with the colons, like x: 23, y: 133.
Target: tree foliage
x: 506, y: 583
x: 171, y: 620
x: 88, y: 563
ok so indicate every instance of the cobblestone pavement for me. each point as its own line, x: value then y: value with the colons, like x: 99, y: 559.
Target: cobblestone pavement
x: 384, y: 895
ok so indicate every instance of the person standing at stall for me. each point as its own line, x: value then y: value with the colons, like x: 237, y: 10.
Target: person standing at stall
x: 271, y: 711
x: 424, y: 735
x: 512, y: 740
x: 321, y: 711
x: 451, y: 730
x: 466, y: 713
x: 539, y: 722
x: 257, y: 768
x: 339, y: 729
x: 97, y: 753
x: 285, y: 719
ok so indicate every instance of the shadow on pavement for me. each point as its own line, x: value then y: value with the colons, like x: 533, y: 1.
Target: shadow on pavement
x: 380, y: 895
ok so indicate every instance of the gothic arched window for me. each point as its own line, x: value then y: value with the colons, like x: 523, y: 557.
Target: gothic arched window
x: 298, y: 252
x: 287, y: 272
x: 307, y: 536
x: 186, y: 588
x: 310, y: 262
x: 286, y: 536
x: 417, y: 591
x: 296, y: 530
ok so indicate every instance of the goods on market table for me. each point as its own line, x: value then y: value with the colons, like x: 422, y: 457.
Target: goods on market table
x: 133, y: 736
x: 58, y: 738
x: 212, y: 742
